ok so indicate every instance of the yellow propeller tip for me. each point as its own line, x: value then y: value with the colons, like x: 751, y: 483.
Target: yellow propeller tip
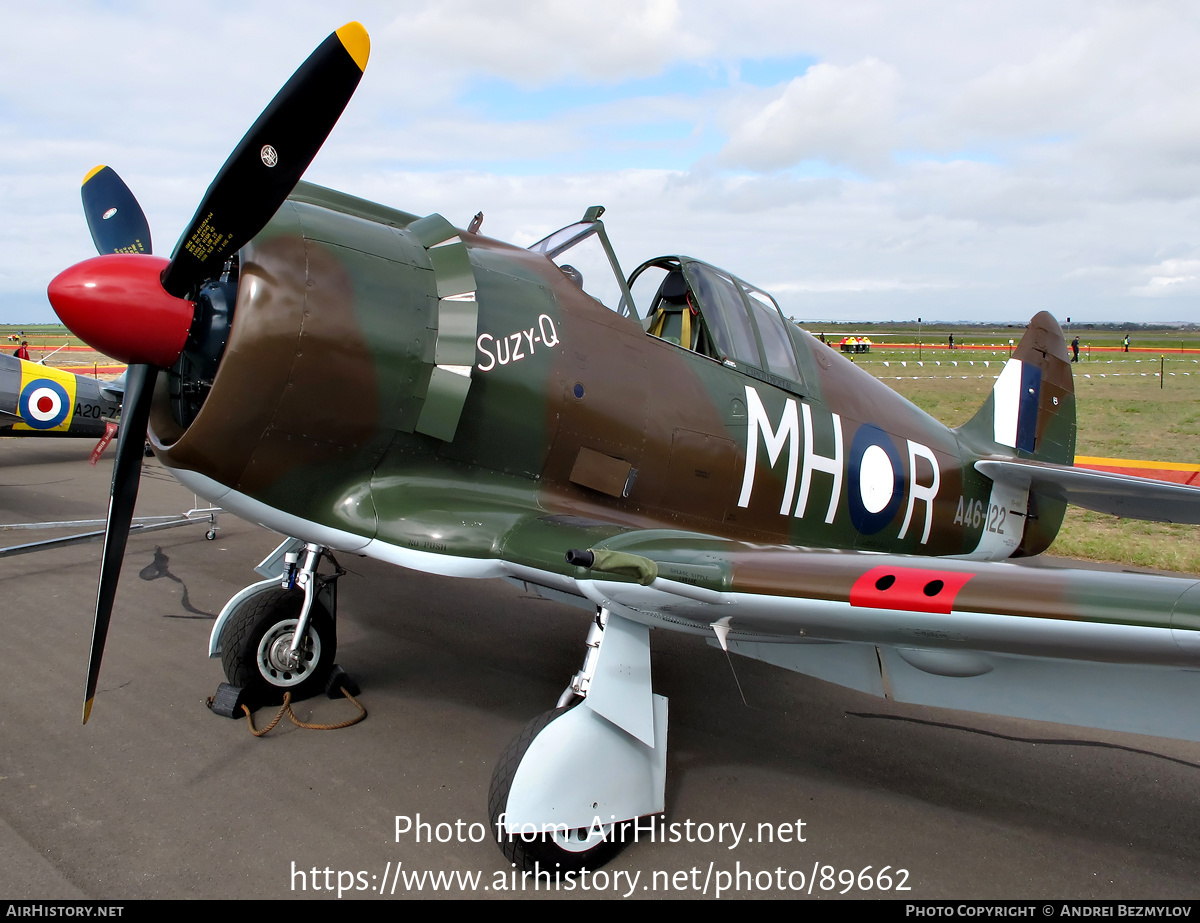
x: 92, y: 172
x: 357, y: 43
x: 87, y: 710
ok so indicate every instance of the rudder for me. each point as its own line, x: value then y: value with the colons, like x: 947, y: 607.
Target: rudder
x: 1030, y: 413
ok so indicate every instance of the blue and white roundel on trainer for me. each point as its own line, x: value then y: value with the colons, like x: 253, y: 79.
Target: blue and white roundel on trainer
x: 44, y: 404
x: 876, y: 480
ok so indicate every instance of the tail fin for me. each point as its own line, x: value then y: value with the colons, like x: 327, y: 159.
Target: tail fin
x: 1031, y: 410
x: 1031, y: 414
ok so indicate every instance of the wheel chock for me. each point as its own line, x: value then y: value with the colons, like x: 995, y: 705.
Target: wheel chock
x: 228, y: 701
x: 339, y: 679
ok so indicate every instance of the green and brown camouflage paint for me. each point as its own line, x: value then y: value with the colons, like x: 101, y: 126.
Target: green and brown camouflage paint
x: 315, y: 404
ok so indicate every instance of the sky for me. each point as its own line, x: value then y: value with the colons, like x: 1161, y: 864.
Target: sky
x: 859, y: 160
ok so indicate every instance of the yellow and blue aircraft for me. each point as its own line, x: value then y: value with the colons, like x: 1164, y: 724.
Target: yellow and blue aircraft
x: 38, y: 400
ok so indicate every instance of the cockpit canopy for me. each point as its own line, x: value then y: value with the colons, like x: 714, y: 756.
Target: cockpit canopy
x: 676, y: 298
x: 585, y: 256
x: 729, y: 320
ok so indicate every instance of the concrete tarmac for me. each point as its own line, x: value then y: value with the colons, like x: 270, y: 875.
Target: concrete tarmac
x: 158, y: 798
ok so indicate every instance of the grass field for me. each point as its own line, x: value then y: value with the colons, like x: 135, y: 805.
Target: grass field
x: 40, y: 333
x: 1124, y: 414
x: 934, y: 338
x: 47, y: 341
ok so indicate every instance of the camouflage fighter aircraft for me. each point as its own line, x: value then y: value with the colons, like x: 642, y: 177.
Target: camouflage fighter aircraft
x: 664, y: 450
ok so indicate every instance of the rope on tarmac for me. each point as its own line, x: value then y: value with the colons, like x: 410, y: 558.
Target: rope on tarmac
x: 286, y: 708
x: 362, y: 713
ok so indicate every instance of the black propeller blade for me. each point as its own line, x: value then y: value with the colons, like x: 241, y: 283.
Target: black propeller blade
x: 118, y: 225
x: 127, y: 470
x: 265, y: 167
x: 251, y: 186
x: 114, y: 217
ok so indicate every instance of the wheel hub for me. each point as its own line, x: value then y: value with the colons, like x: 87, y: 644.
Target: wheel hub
x: 278, y: 663
x: 581, y: 839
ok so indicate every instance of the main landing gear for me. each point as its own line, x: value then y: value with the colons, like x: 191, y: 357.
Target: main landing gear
x: 278, y: 635
x: 565, y: 790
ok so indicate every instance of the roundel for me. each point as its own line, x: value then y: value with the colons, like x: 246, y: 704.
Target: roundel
x: 876, y: 480
x: 44, y: 404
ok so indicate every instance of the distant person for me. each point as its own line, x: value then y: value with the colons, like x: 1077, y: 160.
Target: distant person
x: 22, y: 351
x: 1075, y: 350
x: 952, y: 341
x: 1127, y: 342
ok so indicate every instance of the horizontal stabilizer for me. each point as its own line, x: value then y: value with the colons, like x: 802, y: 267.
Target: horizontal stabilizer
x: 1101, y: 491
x: 114, y: 390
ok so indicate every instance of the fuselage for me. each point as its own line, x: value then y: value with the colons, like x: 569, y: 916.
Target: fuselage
x: 339, y: 366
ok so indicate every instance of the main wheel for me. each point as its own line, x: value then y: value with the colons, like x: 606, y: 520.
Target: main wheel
x: 256, y: 646
x: 560, y: 851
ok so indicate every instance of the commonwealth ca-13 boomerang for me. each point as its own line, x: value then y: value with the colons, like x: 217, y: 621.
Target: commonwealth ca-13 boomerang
x: 664, y: 449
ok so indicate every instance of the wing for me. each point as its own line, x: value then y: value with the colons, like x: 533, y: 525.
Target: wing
x: 1086, y: 647
x: 1093, y: 648
x: 1102, y: 491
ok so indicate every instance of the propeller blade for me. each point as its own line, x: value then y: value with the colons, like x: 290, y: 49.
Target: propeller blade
x: 269, y: 161
x: 251, y: 186
x: 114, y: 217
x: 127, y: 470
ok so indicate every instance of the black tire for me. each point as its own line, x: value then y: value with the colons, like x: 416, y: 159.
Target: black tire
x: 255, y: 639
x: 550, y: 853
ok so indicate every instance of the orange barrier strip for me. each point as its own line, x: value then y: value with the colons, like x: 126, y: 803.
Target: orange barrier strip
x: 1174, y: 472
x: 64, y: 349
x: 1092, y: 461
x: 92, y: 369
x: 1004, y: 347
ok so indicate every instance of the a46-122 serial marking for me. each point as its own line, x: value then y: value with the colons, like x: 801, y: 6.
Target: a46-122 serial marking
x: 975, y: 513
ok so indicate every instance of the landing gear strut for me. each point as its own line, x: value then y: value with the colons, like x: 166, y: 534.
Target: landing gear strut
x: 565, y: 790
x: 278, y: 635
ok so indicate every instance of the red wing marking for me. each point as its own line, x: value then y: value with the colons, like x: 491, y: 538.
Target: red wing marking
x: 912, y: 589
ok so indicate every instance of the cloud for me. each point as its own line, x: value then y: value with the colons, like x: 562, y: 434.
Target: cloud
x: 1170, y: 277
x: 1030, y: 154
x: 538, y: 41
x: 825, y: 286
x: 840, y: 115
